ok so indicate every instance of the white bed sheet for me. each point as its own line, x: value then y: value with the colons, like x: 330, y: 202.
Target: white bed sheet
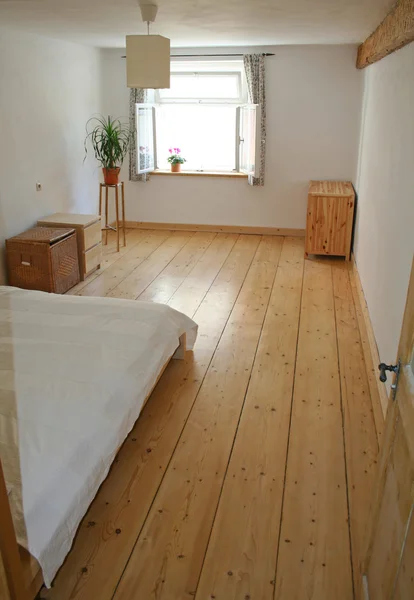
x: 74, y: 374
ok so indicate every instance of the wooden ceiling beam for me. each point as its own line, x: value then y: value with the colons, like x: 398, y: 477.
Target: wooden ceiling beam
x: 395, y: 31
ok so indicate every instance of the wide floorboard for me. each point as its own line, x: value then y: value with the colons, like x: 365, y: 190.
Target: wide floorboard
x: 248, y: 474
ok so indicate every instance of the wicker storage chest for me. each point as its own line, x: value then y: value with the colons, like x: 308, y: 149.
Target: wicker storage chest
x: 43, y: 258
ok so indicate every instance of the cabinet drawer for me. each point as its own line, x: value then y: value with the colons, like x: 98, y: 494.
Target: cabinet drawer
x: 92, y: 258
x: 92, y: 235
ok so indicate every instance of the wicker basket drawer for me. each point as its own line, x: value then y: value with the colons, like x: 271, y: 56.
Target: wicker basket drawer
x: 88, y: 232
x: 43, y: 258
x: 93, y: 258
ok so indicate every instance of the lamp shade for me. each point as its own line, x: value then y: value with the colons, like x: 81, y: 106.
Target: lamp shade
x: 148, y: 61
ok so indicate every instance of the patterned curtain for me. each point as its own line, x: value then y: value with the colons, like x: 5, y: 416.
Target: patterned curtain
x: 254, y: 67
x: 136, y: 96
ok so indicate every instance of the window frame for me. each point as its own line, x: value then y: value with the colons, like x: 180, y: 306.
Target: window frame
x: 153, y: 107
x: 240, y: 141
x: 241, y: 104
x: 197, y: 100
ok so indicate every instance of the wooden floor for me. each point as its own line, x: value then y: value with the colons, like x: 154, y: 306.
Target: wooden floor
x: 249, y: 473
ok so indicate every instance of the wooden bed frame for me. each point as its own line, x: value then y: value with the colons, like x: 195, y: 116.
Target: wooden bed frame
x: 20, y: 575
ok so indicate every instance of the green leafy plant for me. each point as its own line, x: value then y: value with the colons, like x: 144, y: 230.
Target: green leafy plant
x: 110, y: 139
x: 175, y: 158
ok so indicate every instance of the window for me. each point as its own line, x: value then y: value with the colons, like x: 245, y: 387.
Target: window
x: 146, y: 156
x: 204, y: 87
x: 204, y: 113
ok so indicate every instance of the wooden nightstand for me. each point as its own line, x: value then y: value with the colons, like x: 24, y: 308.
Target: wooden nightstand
x: 330, y: 218
x: 89, y: 238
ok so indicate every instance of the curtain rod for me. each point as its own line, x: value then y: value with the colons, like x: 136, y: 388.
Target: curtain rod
x: 210, y: 55
x: 215, y: 55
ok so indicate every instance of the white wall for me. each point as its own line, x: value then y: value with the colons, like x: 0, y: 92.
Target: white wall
x: 48, y: 89
x: 384, y: 243
x: 314, y: 98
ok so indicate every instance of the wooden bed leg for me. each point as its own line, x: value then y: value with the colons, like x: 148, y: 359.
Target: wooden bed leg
x: 12, y: 586
x: 182, y: 348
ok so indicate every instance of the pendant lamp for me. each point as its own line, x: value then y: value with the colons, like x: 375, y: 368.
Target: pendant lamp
x: 148, y: 56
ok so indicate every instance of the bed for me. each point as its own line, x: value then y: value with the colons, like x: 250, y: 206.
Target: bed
x: 75, y: 373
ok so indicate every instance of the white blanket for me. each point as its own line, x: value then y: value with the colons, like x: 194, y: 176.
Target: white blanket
x: 74, y: 374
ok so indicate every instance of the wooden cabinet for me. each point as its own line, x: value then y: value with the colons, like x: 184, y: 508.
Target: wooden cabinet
x: 330, y: 218
x: 89, y: 238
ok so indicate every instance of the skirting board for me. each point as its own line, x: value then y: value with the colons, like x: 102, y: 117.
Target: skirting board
x: 378, y: 390
x: 217, y: 228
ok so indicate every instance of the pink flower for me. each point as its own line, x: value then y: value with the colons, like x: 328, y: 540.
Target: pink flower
x: 170, y: 150
x: 178, y: 150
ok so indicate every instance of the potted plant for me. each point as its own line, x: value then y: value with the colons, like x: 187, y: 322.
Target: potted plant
x: 110, y: 140
x: 175, y: 160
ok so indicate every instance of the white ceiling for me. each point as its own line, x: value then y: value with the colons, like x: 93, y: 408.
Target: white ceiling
x: 104, y: 23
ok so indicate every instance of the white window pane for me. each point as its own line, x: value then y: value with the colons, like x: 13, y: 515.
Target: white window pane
x: 247, y: 139
x: 203, y: 86
x: 145, y: 139
x: 210, y: 86
x: 182, y: 86
x: 204, y: 133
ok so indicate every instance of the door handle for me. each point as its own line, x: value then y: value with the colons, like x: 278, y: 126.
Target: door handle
x: 384, y: 368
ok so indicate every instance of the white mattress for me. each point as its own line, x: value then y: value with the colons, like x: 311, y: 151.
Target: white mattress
x: 74, y: 374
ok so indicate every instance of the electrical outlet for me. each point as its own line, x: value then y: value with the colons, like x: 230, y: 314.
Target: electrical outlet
x: 38, y: 187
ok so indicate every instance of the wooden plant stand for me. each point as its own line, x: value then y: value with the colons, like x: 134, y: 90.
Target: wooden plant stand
x: 118, y: 224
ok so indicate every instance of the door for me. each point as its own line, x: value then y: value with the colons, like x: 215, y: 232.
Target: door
x: 389, y: 564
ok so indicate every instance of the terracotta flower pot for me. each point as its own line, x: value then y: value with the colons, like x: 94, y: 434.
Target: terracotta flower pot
x: 175, y: 168
x: 111, y: 176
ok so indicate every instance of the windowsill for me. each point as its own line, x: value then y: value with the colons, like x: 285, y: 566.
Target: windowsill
x: 199, y: 174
